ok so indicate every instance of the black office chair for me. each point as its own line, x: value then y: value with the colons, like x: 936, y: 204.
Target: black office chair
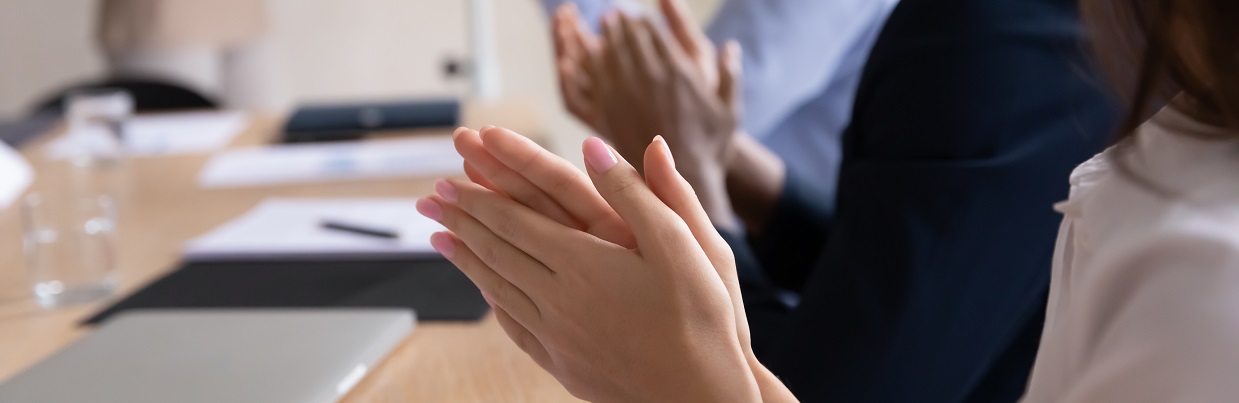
x: 149, y: 95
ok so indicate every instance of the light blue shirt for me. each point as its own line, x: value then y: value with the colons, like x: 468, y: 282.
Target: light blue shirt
x: 802, y: 63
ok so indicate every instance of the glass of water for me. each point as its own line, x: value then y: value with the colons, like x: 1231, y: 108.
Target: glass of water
x: 97, y: 119
x: 70, y: 247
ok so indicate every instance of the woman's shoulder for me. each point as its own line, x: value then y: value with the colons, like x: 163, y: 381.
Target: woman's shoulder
x: 1126, y: 220
x: 1164, y: 180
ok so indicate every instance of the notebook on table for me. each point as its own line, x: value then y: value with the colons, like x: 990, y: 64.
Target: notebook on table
x: 279, y: 255
x: 432, y: 287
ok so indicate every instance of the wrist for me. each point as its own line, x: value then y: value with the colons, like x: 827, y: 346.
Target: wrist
x: 705, y: 375
x: 754, y: 181
x: 710, y: 184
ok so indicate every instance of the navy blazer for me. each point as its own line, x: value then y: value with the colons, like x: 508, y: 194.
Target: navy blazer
x: 925, y: 278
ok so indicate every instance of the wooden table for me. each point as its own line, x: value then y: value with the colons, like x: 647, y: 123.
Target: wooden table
x: 438, y: 362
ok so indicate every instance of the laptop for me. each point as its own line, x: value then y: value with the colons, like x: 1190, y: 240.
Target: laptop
x: 269, y: 356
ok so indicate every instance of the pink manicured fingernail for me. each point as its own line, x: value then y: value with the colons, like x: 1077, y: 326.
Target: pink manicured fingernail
x: 663, y: 142
x: 431, y: 209
x: 598, y: 155
x: 443, y: 243
x: 447, y: 190
x: 458, y: 131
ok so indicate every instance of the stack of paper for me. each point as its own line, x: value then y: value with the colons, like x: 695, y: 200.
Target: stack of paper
x: 189, y: 132
x: 158, y: 134
x: 293, y: 228
x: 300, y: 163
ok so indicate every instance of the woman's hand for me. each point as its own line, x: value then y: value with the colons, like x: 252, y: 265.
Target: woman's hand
x: 575, y: 47
x: 511, y: 164
x: 651, y: 323
x: 647, y: 83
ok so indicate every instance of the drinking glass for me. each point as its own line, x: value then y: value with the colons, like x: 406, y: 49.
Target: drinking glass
x: 70, y: 248
x: 96, y: 120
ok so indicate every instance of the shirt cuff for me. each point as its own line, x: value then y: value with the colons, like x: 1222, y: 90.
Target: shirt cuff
x: 796, y: 234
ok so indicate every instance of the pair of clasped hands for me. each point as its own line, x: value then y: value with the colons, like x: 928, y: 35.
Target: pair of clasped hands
x: 617, y: 285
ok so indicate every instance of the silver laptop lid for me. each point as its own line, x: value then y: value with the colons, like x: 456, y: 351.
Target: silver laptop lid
x: 265, y: 356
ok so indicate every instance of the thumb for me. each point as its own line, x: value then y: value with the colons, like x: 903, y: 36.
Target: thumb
x: 627, y: 193
x: 667, y: 183
x: 731, y: 74
x: 675, y: 191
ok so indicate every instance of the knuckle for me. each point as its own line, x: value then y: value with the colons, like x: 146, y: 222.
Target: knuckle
x: 561, y: 183
x: 488, y: 254
x: 531, y: 198
x: 451, y: 217
x: 504, y: 223
x: 525, y: 163
x: 625, y: 185
x: 502, y: 292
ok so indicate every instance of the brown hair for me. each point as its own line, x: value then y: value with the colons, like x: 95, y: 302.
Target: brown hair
x: 1155, y: 49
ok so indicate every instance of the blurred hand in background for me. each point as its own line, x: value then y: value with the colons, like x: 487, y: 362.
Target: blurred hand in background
x: 637, y: 81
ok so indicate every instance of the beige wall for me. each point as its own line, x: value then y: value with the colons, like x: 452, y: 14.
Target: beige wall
x: 327, y: 49
x: 43, y: 44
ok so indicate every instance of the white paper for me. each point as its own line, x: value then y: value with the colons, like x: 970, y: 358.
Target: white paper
x: 15, y: 175
x: 160, y: 134
x: 292, y: 228
x: 320, y: 162
x: 177, y: 133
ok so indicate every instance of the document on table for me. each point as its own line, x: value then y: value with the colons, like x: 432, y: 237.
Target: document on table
x: 15, y: 175
x: 160, y: 134
x: 178, y: 133
x: 318, y: 162
x: 285, y: 228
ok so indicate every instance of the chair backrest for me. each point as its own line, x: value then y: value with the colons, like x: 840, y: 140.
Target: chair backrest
x: 148, y: 95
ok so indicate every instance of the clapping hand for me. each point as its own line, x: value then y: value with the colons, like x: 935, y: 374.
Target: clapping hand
x: 655, y: 321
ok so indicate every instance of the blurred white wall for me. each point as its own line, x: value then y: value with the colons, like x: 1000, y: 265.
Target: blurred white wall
x: 327, y: 49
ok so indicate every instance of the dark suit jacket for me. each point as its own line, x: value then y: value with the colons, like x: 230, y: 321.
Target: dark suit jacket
x: 925, y: 279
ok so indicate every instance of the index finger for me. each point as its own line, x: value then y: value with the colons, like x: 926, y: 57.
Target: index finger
x: 532, y: 233
x: 561, y: 180
x: 500, y: 178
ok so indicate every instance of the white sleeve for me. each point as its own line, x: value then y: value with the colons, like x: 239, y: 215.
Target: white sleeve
x: 794, y: 48
x: 1163, y: 323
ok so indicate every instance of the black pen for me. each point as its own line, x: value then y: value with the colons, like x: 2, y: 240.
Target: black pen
x: 360, y: 230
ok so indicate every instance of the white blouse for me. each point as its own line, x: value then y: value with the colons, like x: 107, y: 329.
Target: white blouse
x: 1144, y: 298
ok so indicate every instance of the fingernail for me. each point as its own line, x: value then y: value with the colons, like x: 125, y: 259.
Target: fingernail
x: 598, y: 155
x: 447, y: 190
x: 663, y: 142
x: 458, y: 131
x: 430, y: 208
x: 487, y: 127
x: 443, y: 243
